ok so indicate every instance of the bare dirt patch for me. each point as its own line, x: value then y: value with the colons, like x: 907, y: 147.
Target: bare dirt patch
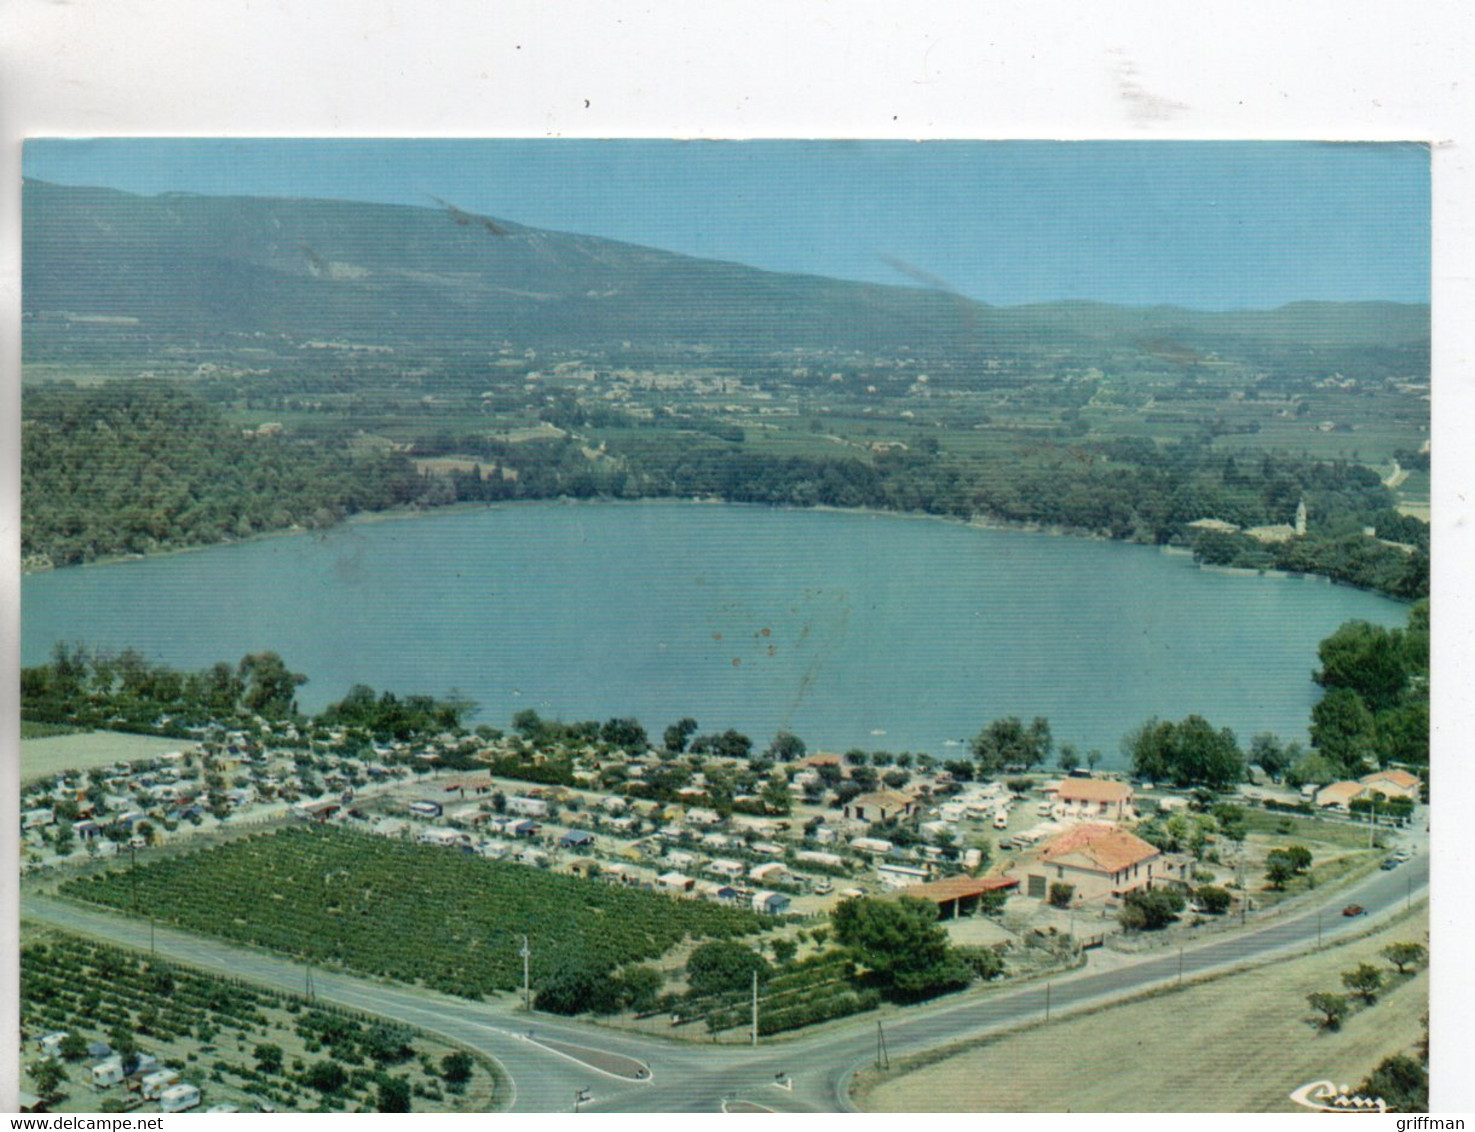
x: 87, y: 749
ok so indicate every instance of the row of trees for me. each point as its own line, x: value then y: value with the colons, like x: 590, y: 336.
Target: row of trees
x: 127, y: 691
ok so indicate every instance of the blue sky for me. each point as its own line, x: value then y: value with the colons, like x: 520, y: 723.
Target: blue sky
x: 1213, y: 225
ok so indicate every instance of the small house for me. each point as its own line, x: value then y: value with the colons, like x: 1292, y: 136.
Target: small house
x: 770, y: 903
x: 525, y: 829
x: 880, y: 805
x: 675, y: 882
x: 425, y: 808
x: 576, y: 839
x: 51, y: 1043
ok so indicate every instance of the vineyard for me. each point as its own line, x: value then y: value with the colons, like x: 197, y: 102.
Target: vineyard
x: 241, y: 1044
x: 408, y: 912
x: 799, y: 994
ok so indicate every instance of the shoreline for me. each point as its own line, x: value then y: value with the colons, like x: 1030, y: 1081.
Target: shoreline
x: 976, y: 522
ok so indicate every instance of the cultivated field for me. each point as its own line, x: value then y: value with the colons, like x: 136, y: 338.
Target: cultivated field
x: 85, y: 750
x: 1240, y: 1043
x: 406, y: 911
x: 212, y: 1033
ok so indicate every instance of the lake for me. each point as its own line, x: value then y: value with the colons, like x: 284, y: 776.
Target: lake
x: 851, y: 630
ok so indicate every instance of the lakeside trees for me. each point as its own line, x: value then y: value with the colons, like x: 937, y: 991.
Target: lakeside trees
x: 1375, y: 709
x: 1190, y: 753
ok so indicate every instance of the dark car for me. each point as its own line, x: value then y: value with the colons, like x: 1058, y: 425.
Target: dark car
x: 1391, y: 863
x: 1353, y: 910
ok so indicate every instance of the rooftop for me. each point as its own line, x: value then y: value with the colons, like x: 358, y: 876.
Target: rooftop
x: 1105, y: 847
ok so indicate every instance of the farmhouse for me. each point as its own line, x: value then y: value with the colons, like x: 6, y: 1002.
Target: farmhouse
x: 1102, y: 861
x: 1339, y: 795
x: 879, y: 806
x: 1393, y: 783
x: 1097, y: 797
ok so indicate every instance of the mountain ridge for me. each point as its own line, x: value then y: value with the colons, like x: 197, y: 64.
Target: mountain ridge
x: 183, y: 263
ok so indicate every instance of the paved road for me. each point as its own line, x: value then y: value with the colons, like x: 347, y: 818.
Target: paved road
x: 803, y: 1074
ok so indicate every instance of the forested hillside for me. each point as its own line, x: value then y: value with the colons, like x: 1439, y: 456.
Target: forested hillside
x: 135, y: 467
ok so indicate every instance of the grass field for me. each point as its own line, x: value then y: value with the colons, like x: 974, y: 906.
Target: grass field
x: 84, y: 750
x: 1240, y: 1043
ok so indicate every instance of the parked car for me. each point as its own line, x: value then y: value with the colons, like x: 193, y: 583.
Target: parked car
x: 1391, y: 863
x: 1353, y: 910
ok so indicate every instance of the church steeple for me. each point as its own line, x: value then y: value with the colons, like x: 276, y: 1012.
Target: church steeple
x: 1301, y: 517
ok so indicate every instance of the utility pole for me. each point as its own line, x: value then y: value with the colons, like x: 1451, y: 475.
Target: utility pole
x: 1180, y: 964
x: 883, y: 1059
x: 526, y: 953
x: 1047, y: 1002
x: 133, y: 873
x: 755, y: 1006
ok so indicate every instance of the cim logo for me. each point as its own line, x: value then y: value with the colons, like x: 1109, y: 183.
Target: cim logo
x: 1324, y: 1096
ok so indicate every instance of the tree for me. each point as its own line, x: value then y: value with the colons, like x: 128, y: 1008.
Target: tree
x: 1299, y: 856
x: 678, y: 734
x: 1190, y: 753
x: 268, y: 1057
x: 1365, y: 981
x: 723, y: 965
x: 1009, y: 742
x: 786, y: 748
x: 1061, y: 894
x: 393, y: 1094
x: 1332, y: 1008
x: 1344, y: 731
x: 891, y: 937
x: 1366, y: 659
x: 1401, y: 1082
x: 49, y: 1076
x: 1267, y: 752
x: 73, y: 1047
x: 326, y: 1076
x: 639, y: 986
x: 1278, y: 869
x: 1069, y: 759
x: 271, y: 690
x: 1403, y: 955
x: 576, y: 988
x: 1213, y: 899
x: 626, y: 734
x: 456, y: 1068
x: 1150, y: 909
x: 775, y: 795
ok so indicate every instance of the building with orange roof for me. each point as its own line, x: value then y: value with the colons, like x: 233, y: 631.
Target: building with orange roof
x: 956, y: 896
x: 1339, y: 795
x: 1393, y: 783
x: 1097, y: 797
x: 1102, y: 862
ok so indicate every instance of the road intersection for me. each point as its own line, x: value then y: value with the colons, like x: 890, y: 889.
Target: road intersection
x: 555, y: 1064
